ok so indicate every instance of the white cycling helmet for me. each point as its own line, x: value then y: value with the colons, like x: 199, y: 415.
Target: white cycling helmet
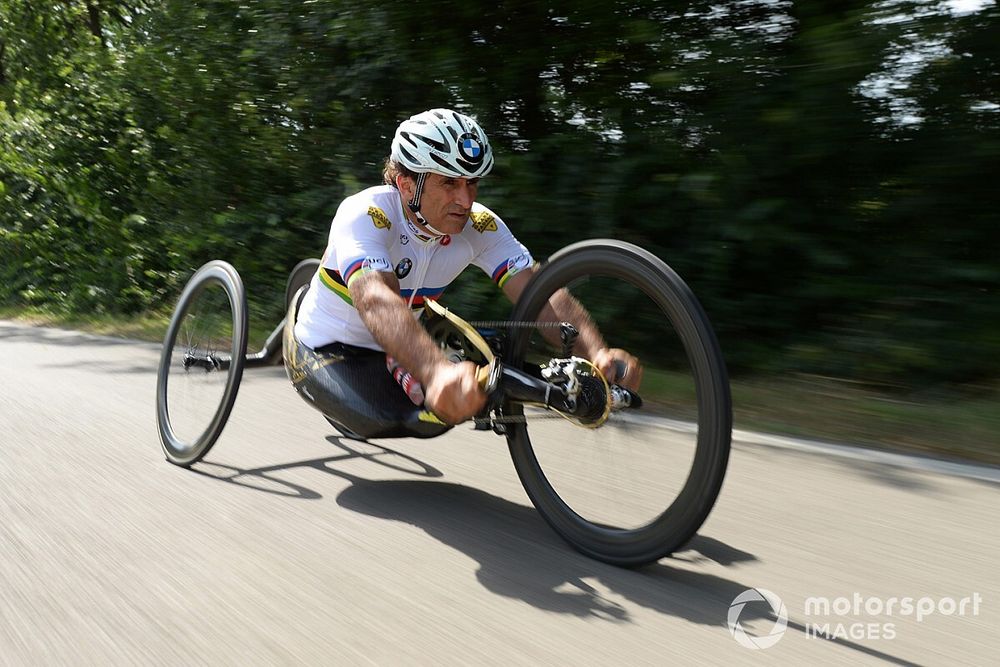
x: 445, y: 142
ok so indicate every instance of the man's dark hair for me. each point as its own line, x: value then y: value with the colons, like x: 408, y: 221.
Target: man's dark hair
x: 393, y: 168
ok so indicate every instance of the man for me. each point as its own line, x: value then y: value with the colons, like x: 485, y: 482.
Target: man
x: 391, y: 248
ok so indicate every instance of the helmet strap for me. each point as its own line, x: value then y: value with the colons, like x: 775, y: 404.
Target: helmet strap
x: 414, y: 204
x: 418, y: 192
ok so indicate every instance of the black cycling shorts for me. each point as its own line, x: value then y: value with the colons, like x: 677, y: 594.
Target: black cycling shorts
x: 352, y: 386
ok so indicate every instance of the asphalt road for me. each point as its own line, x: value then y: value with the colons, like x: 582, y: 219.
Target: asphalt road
x: 290, y: 546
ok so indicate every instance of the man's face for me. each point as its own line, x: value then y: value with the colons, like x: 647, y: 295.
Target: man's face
x: 446, y: 201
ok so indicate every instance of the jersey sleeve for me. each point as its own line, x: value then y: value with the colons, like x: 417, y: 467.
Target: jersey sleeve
x: 362, y: 234
x: 498, y: 253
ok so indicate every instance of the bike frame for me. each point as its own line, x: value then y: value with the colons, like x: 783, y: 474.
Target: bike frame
x: 270, y: 354
x: 516, y: 384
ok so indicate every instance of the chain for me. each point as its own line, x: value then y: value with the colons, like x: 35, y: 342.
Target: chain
x: 519, y: 419
x: 513, y: 324
x: 488, y: 422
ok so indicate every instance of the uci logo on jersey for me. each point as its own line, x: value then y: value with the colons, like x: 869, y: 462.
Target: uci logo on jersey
x: 403, y: 268
x: 515, y: 264
x: 379, y: 218
x: 470, y: 147
x: 376, y: 264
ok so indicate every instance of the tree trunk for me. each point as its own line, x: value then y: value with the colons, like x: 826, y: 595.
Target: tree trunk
x: 94, y: 21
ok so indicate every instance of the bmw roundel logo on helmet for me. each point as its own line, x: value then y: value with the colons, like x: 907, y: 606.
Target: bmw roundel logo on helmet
x: 470, y: 147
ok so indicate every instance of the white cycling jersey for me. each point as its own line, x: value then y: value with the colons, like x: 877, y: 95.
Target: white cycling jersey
x: 371, y: 233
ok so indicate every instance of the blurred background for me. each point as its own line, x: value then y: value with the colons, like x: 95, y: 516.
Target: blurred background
x: 823, y: 174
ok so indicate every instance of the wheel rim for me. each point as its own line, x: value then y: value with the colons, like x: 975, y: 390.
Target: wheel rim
x: 197, y: 370
x: 639, y: 485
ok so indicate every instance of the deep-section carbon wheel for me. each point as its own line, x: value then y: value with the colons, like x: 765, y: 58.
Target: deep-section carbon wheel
x: 300, y: 275
x: 639, y: 486
x: 202, y: 363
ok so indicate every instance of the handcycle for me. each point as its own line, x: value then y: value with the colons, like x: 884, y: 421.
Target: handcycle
x: 626, y: 477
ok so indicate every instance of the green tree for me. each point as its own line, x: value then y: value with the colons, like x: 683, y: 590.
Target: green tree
x: 821, y: 173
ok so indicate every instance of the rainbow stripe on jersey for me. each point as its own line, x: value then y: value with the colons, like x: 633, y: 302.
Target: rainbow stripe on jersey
x: 332, y: 279
x: 423, y: 294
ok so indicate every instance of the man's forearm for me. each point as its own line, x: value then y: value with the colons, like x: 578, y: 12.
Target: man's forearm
x: 563, y: 307
x: 393, y: 326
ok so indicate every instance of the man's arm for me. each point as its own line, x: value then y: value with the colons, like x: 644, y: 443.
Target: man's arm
x: 451, y: 390
x: 563, y: 307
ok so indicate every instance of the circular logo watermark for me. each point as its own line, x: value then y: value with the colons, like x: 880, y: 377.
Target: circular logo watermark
x: 777, y: 608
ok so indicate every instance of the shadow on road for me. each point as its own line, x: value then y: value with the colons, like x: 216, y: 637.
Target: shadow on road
x: 519, y: 556
x: 261, y: 479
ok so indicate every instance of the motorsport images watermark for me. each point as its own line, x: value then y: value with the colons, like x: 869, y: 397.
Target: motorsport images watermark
x: 876, y: 609
x: 777, y: 608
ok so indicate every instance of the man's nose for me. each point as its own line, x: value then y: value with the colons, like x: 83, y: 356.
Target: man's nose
x: 464, y: 195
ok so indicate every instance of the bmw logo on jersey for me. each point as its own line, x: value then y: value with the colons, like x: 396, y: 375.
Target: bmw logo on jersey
x: 403, y: 268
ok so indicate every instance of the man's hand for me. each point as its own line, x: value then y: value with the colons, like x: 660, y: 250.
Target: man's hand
x: 453, y: 392
x: 606, y: 359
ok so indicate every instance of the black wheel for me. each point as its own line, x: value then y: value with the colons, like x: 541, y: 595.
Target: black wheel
x: 202, y: 363
x: 300, y: 275
x: 639, y: 486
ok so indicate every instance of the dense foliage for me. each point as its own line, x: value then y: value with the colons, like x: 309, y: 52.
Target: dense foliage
x: 822, y: 173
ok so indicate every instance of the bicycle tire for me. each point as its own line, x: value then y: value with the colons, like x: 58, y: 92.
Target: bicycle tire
x: 300, y: 275
x: 682, y: 518
x: 228, y: 349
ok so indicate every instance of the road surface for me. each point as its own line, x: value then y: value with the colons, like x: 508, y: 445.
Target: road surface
x: 291, y: 546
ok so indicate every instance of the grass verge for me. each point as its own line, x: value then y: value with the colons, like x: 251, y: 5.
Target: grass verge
x: 149, y: 326
x: 953, y: 422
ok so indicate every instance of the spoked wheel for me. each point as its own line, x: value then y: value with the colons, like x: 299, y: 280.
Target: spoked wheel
x: 639, y: 486
x: 202, y: 363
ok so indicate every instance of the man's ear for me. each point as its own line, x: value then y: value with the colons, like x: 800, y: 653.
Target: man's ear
x: 406, y: 186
